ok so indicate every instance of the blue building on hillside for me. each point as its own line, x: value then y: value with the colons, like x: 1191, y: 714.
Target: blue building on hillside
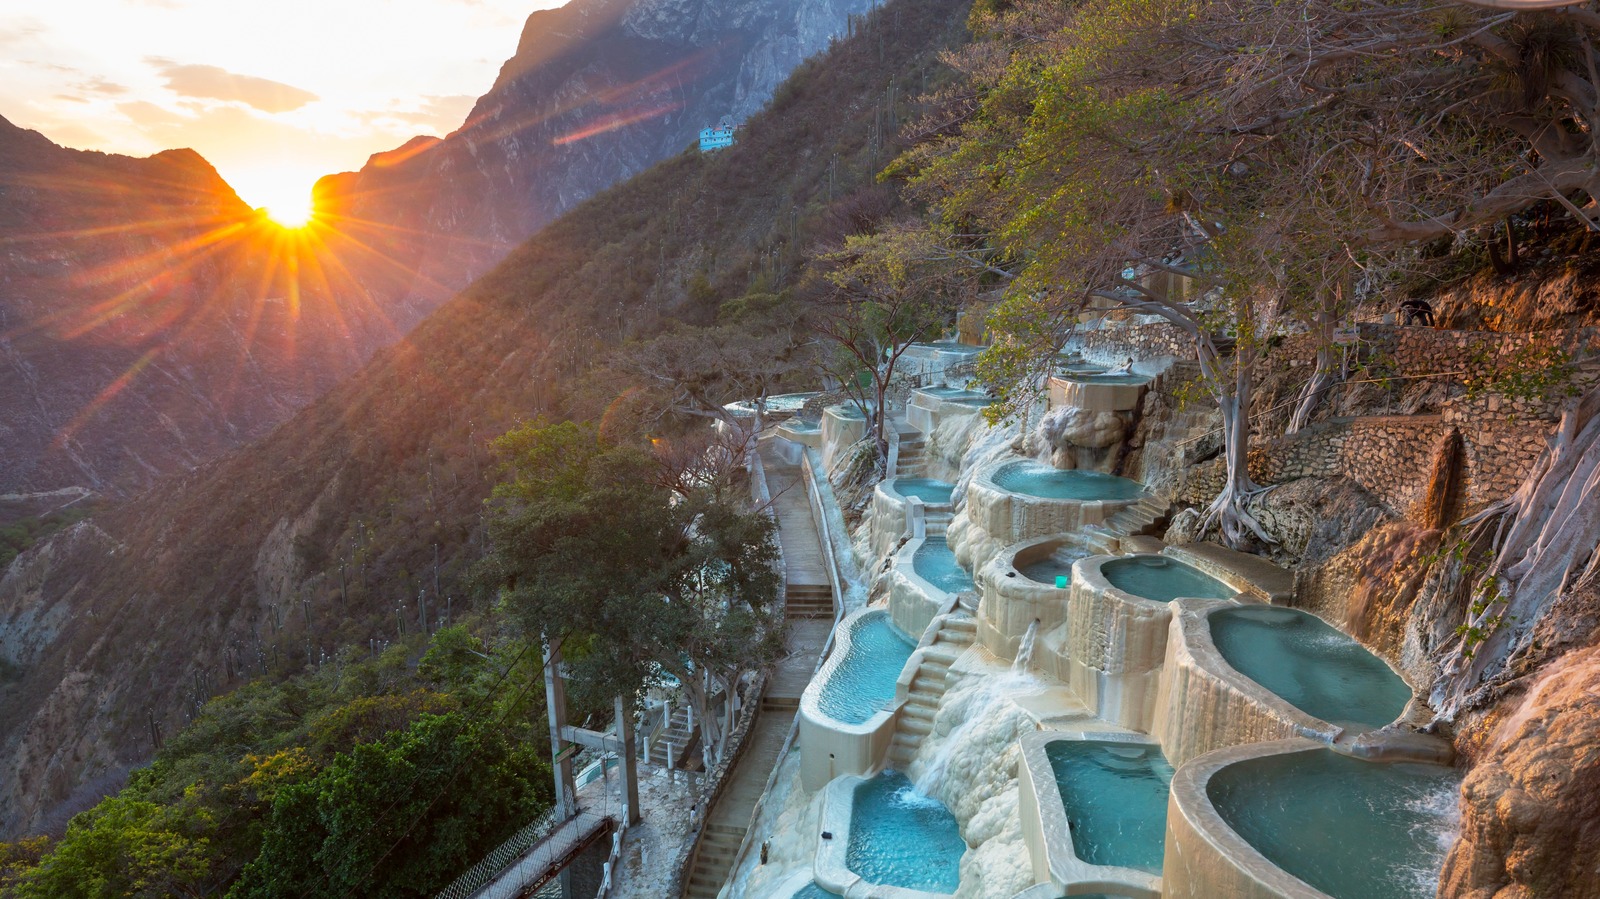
x: 718, y: 137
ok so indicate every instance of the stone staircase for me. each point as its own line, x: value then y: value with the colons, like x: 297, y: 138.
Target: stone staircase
x: 956, y: 633
x: 808, y: 601
x: 1147, y: 516
x: 937, y: 522
x: 679, y: 734
x: 913, y: 446
x: 713, y: 861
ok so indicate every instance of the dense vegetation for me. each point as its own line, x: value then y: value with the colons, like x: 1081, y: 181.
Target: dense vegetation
x: 372, y: 776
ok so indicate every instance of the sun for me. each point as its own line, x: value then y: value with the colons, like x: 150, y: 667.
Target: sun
x: 290, y: 213
x: 280, y: 192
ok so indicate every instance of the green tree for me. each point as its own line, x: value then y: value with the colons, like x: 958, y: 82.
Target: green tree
x: 635, y: 568
x: 884, y: 292
x: 125, y: 847
x: 399, y: 817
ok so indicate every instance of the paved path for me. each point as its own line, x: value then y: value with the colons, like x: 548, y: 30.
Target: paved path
x: 729, y: 819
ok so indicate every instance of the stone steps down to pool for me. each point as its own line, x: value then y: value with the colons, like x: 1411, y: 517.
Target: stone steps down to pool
x: 1147, y: 516
x: 1292, y: 819
x: 882, y: 839
x: 1247, y: 673
x: 847, y: 712
x: 922, y: 691
x: 1113, y: 645
x: 805, y: 601
x: 1094, y: 809
x: 898, y: 503
x: 908, y: 461
x: 1019, y: 587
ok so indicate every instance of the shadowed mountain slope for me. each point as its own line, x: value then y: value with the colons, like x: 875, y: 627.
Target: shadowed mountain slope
x: 324, y: 534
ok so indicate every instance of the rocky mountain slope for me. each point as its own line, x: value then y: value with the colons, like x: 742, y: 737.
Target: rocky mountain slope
x: 144, y: 326
x: 149, y: 321
x: 598, y: 91
x: 321, y: 537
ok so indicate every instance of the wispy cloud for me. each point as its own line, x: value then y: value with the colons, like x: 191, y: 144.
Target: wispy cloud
x: 99, y: 85
x: 216, y: 83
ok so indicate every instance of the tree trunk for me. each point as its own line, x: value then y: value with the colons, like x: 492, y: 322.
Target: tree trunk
x: 1233, y: 400
x: 1548, y: 533
x: 1321, y: 377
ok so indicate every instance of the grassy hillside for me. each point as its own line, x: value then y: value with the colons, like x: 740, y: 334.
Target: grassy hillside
x: 325, y: 533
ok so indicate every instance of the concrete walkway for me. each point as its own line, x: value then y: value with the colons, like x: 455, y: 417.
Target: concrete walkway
x: 729, y: 819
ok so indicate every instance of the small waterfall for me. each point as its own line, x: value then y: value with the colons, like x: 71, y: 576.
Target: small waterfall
x: 958, y: 740
x: 1025, y: 649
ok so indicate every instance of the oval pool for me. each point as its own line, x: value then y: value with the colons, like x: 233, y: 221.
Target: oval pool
x: 1035, y: 479
x: 1313, y: 666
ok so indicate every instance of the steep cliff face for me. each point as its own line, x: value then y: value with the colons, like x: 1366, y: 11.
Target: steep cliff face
x: 598, y: 91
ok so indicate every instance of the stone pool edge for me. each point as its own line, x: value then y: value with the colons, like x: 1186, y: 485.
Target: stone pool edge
x: 1048, y: 835
x: 830, y: 748
x: 828, y: 867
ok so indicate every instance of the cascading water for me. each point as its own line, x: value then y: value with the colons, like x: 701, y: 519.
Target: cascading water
x: 1025, y: 649
x: 932, y: 777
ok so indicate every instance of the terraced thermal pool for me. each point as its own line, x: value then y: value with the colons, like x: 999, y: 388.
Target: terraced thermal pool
x: 899, y: 837
x: 1162, y: 579
x: 935, y: 563
x: 1057, y: 564
x: 1312, y: 665
x: 1352, y: 829
x: 928, y: 490
x: 783, y: 403
x: 1121, y: 378
x: 812, y: 891
x: 1035, y: 479
x: 1115, y: 795
x: 863, y: 683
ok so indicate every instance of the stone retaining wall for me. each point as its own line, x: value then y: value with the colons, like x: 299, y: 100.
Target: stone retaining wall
x: 1393, y: 456
x: 1115, y: 345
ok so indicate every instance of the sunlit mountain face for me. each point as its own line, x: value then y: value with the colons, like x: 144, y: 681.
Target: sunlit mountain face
x: 150, y: 319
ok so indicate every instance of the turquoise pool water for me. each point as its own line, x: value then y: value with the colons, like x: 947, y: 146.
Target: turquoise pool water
x: 1115, y: 795
x: 803, y: 424
x: 946, y: 393
x: 863, y: 683
x: 848, y: 410
x: 787, y: 402
x: 1057, y: 563
x: 1162, y: 579
x: 899, y: 837
x: 1035, y: 479
x: 1105, y: 378
x: 935, y: 563
x: 951, y: 346
x: 926, y: 489
x: 812, y: 891
x: 1315, y: 667
x: 1352, y: 829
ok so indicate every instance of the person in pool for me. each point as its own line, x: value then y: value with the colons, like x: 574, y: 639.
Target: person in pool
x: 1125, y: 368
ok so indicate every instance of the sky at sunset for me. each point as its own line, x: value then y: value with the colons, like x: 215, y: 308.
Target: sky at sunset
x: 274, y: 94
